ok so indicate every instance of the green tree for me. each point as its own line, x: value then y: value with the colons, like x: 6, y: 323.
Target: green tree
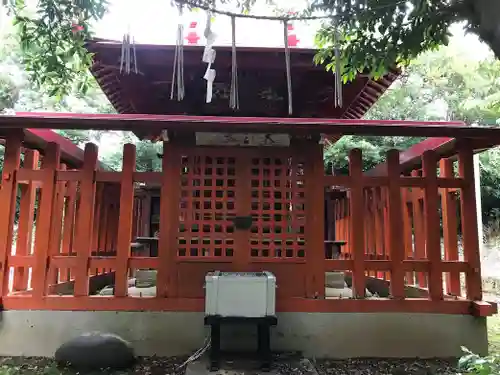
x: 372, y: 35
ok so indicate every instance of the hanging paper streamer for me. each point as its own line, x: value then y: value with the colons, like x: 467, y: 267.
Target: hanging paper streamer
x: 288, y: 68
x: 178, y: 66
x: 209, y: 58
x: 129, y: 55
x: 234, y: 101
x: 338, y: 70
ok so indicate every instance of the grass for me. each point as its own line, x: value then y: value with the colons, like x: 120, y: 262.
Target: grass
x: 494, y: 334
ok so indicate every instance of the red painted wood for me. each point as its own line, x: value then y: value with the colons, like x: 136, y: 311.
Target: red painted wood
x: 50, y: 163
x: 357, y: 222
x: 469, y: 222
x: 432, y: 225
x: 395, y: 224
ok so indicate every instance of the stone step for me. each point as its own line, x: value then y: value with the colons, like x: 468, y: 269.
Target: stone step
x: 334, y: 280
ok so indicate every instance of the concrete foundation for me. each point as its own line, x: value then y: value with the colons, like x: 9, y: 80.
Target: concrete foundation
x: 320, y: 335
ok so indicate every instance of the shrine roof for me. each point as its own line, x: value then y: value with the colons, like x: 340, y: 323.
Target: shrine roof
x: 261, y: 79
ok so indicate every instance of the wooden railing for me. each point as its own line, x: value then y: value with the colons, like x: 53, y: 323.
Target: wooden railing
x: 393, y: 226
x: 85, y: 220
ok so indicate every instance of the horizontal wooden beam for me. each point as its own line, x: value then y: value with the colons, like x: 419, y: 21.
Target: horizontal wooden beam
x: 382, y: 305
x: 299, y: 126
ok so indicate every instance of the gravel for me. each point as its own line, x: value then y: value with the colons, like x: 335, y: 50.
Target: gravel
x: 283, y: 365
x: 387, y: 367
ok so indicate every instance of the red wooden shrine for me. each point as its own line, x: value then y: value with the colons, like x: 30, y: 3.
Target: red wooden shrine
x: 83, y: 218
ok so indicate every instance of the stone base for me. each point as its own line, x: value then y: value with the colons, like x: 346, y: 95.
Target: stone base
x: 320, y: 335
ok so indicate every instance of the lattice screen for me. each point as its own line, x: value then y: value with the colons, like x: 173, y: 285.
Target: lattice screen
x: 278, y: 208
x: 206, y: 207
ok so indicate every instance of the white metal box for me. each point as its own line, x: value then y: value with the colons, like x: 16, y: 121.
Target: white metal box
x: 240, y: 294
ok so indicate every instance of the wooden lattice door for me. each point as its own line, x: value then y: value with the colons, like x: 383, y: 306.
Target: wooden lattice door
x: 219, y: 185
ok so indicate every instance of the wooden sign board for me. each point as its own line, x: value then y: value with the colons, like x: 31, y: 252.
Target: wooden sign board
x: 242, y: 139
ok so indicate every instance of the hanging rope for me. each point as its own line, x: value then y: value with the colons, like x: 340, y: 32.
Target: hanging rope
x: 338, y: 70
x: 288, y: 68
x: 212, y: 9
x: 234, y: 101
x: 178, y: 66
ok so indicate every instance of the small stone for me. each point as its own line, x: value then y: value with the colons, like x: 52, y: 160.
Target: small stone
x: 95, y: 351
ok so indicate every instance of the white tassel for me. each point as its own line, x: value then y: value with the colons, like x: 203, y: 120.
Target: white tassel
x: 234, y: 101
x: 288, y: 68
x: 178, y: 66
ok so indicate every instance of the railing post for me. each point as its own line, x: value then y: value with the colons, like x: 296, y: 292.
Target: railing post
x: 69, y: 226
x: 50, y: 163
x: 8, y: 193
x: 469, y: 221
x: 84, y: 225
x: 432, y: 225
x: 396, y: 230
x: 450, y: 223
x: 419, y: 231
x: 56, y: 226
x: 408, y: 234
x: 379, y: 227
x: 357, y: 238
x: 26, y: 218
x: 125, y: 220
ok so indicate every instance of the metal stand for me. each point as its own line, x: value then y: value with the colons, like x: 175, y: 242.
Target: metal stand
x: 263, y: 337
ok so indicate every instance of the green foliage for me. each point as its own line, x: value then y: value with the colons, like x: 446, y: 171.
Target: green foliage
x: 52, y: 38
x: 386, y: 34
x: 475, y: 364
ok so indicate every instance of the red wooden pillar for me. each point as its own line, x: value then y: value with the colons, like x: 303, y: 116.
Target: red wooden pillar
x: 432, y: 225
x: 396, y: 230
x: 125, y: 220
x: 315, y: 215
x: 469, y: 221
x: 8, y: 192
x: 84, y: 225
x: 169, y: 221
x: 357, y: 222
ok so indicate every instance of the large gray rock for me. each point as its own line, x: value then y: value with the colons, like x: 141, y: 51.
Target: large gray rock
x: 96, y: 350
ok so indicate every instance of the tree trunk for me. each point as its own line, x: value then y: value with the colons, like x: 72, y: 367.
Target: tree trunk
x: 484, y: 20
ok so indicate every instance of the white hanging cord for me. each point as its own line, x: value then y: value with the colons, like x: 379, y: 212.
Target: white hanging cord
x: 338, y: 71
x: 234, y: 101
x: 178, y: 66
x: 209, y: 58
x: 288, y: 68
x: 128, y: 58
